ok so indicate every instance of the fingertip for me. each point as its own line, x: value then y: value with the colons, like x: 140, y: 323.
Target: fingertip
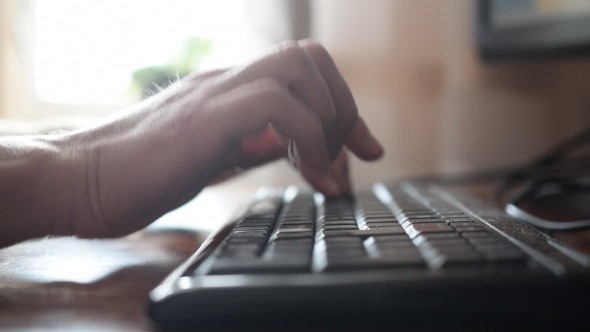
x: 319, y: 162
x: 330, y: 187
x: 362, y: 143
x: 374, y: 149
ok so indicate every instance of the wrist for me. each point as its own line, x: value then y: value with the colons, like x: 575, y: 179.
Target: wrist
x: 35, y: 188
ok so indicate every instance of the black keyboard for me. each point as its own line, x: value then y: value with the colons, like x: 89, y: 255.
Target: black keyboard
x: 296, y: 250
x: 304, y: 234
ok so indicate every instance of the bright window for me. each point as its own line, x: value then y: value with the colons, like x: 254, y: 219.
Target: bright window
x: 86, y: 51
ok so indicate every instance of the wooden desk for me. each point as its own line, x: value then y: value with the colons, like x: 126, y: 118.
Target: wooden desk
x: 102, y: 285
x: 69, y: 284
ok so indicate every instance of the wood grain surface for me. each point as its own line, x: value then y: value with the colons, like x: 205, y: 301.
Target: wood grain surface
x: 69, y: 284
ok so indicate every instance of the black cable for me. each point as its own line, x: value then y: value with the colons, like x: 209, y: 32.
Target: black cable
x: 555, y: 168
x: 544, y: 163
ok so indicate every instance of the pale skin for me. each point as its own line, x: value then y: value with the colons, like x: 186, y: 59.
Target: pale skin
x: 121, y: 175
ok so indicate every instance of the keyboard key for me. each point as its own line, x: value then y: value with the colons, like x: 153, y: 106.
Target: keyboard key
x: 452, y: 215
x: 297, y: 226
x: 438, y: 259
x: 342, y: 240
x: 242, y: 234
x: 488, y: 240
x: 232, y: 239
x: 417, y: 229
x: 291, y: 235
x: 369, y: 232
x: 445, y: 243
x: 407, y: 223
x: 390, y: 238
x: 289, y: 249
x: 459, y: 219
x: 413, y: 220
x: 377, y: 214
x: 255, y: 224
x: 293, y: 230
x: 381, y: 223
x: 343, y: 246
x: 471, y: 235
x: 252, y: 228
x: 463, y: 223
x: 434, y: 236
x: 406, y: 216
x: 260, y: 217
x: 388, y: 219
x: 297, y: 222
x: 339, y: 218
x: 238, y: 254
x: 392, y: 249
x: 506, y: 257
x: 238, y: 232
x: 342, y: 253
x: 293, y: 241
x: 240, y: 266
x: 371, y: 226
x: 361, y: 263
x: 339, y: 227
x: 339, y: 223
x: 241, y: 246
x: 495, y: 247
x: 474, y: 228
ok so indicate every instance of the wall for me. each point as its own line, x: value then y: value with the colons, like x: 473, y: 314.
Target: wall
x: 414, y: 71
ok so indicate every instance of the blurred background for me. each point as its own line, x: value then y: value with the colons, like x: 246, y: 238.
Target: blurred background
x: 412, y: 66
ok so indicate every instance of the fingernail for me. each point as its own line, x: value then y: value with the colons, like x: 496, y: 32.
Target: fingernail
x: 293, y: 158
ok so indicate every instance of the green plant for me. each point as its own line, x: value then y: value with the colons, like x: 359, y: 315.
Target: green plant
x: 146, y: 80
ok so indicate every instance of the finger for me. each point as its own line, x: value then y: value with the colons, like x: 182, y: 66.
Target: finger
x: 292, y: 66
x: 282, y: 140
x: 366, y: 149
x: 340, y: 172
x: 254, y: 151
x: 201, y: 76
x: 347, y: 113
x: 260, y: 150
x: 337, y: 183
x: 248, y: 110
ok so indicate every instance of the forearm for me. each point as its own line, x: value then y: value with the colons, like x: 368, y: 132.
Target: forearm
x: 35, y: 188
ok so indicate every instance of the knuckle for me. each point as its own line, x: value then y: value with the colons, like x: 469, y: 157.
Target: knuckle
x: 318, y: 52
x: 316, y: 127
x: 296, y: 59
x: 288, y: 44
x: 271, y: 90
x: 331, y: 119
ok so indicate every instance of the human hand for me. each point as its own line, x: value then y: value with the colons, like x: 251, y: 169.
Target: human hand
x: 140, y: 164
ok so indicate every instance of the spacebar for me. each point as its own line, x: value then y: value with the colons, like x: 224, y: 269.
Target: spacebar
x: 239, y: 266
x: 368, y: 232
